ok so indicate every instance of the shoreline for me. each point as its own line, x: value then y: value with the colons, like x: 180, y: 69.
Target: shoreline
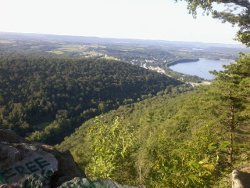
x: 182, y: 61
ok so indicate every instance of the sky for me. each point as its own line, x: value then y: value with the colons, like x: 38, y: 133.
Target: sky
x: 135, y: 19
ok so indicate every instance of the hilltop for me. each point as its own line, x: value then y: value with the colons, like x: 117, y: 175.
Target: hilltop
x: 45, y: 99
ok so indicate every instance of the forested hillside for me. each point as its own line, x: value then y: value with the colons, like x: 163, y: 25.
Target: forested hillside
x: 189, y: 140
x: 45, y: 99
x: 100, y: 98
x: 153, y: 55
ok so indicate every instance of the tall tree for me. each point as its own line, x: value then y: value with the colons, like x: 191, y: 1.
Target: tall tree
x: 230, y: 91
x: 232, y: 85
x: 236, y: 12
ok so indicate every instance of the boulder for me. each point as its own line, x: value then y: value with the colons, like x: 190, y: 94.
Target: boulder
x: 25, y: 164
x: 98, y: 183
x: 22, y: 162
x: 9, y: 136
x: 241, y: 178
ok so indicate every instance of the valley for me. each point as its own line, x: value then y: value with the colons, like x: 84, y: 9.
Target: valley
x: 154, y: 55
x: 123, y: 113
x: 125, y: 94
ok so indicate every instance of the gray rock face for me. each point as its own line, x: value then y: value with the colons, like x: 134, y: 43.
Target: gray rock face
x: 240, y: 179
x: 98, y: 183
x: 9, y: 136
x: 20, y: 163
x: 33, y: 165
x: 25, y: 164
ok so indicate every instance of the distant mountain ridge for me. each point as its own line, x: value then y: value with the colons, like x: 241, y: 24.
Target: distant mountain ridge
x: 100, y: 40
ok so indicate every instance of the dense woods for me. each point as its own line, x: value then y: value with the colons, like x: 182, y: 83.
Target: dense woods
x: 45, y: 99
x: 188, y: 140
x: 163, y: 134
x: 127, y: 123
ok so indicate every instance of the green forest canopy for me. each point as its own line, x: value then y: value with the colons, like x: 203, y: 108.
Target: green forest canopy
x: 171, y: 140
x: 191, y: 140
x: 45, y: 99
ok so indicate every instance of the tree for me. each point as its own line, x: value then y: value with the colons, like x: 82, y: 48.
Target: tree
x: 231, y: 90
x: 232, y: 85
x: 110, y: 147
x: 236, y: 12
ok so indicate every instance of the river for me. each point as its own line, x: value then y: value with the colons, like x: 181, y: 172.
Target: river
x: 201, y: 67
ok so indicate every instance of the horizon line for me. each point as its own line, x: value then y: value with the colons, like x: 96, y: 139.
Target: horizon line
x: 121, y: 38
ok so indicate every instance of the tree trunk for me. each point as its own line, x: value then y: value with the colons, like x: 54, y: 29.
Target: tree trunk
x: 232, y: 130
x: 231, y: 150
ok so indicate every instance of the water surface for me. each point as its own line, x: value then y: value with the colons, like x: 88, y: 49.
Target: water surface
x: 200, y: 68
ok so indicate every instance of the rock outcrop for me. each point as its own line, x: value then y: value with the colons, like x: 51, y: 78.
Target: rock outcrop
x: 33, y: 165
x: 22, y: 162
x: 241, y: 178
x: 98, y: 183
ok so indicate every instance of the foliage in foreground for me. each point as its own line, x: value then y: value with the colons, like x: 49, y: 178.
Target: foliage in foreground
x: 171, y: 141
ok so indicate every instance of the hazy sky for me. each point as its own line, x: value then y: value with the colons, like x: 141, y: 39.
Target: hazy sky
x: 142, y: 19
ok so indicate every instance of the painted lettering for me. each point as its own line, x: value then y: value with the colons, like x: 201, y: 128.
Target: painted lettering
x: 41, y: 162
x: 31, y: 167
x: 21, y: 170
x: 8, y: 173
x: 35, y: 164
